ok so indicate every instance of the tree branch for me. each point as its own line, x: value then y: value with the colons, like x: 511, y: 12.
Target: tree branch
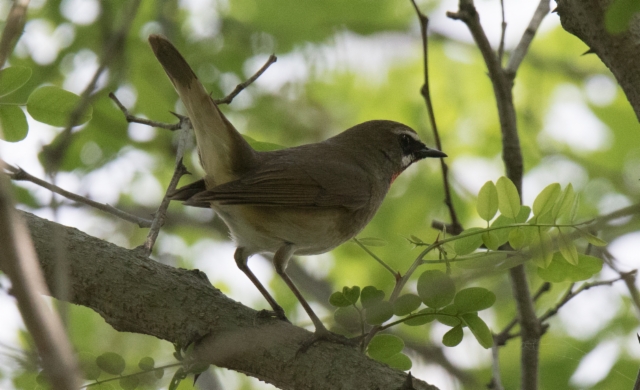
x: 619, y: 52
x: 124, y: 287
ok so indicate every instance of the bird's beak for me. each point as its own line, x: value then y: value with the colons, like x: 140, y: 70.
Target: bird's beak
x: 425, y: 152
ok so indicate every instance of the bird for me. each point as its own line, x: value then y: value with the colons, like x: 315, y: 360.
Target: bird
x: 302, y: 200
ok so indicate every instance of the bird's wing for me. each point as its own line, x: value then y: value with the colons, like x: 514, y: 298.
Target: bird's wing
x: 224, y: 154
x: 328, y: 184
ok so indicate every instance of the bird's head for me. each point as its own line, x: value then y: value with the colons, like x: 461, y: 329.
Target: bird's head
x: 390, y: 146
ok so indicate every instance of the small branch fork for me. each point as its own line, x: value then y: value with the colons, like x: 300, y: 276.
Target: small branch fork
x: 455, y: 228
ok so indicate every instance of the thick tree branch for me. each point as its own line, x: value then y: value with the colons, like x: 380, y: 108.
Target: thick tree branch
x: 619, y: 52
x: 134, y: 294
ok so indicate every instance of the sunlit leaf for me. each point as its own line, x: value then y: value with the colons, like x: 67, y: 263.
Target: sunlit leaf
x: 399, y: 361
x: 559, y: 270
x: 508, y: 198
x: 111, y: 362
x: 546, y: 199
x: 466, y: 245
x: 487, y: 205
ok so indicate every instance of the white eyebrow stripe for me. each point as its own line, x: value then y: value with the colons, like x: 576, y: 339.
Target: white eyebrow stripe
x: 407, y: 132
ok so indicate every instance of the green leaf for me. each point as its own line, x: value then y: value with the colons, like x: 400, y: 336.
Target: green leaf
x: 383, y: 346
x: 503, y: 234
x: 448, y: 316
x: 619, y: 14
x: 422, y: 317
x: 338, y: 299
x: 146, y: 363
x: 559, y: 270
x: 53, y: 106
x: 546, y: 199
x: 508, y: 198
x: 453, y: 337
x: 399, y: 361
x: 378, y: 313
x: 564, y: 204
x: 466, y: 245
x: 12, y: 78
x: 111, y: 363
x: 90, y: 369
x: 487, y: 201
x: 593, y: 240
x: 567, y: 249
x: 347, y: 317
x: 13, y: 123
x: 479, y: 329
x: 491, y: 240
x: 261, y: 146
x: 541, y: 250
x: 517, y: 238
x: 372, y: 241
x: 370, y: 296
x: 436, y: 289
x: 474, y: 299
x: 406, y: 304
x: 129, y: 382
x: 351, y: 294
x: 483, y: 261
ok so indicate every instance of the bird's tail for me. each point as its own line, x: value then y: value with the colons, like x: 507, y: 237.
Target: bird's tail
x: 224, y: 154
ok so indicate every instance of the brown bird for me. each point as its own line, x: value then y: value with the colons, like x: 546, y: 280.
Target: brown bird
x: 303, y: 200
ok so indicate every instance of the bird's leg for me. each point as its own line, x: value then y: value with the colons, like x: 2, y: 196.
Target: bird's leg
x: 241, y: 260
x: 280, y: 260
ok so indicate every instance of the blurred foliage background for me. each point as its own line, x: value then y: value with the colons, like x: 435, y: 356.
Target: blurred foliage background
x: 339, y: 63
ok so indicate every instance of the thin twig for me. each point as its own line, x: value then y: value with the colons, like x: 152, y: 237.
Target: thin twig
x: 13, y: 29
x: 55, y: 153
x: 501, y: 338
x: 570, y: 294
x: 375, y: 257
x: 502, y: 34
x: 496, y: 381
x: 523, y: 46
x: 132, y: 118
x: 161, y: 214
x: 227, y: 99
x: 19, y: 174
x: 456, y: 227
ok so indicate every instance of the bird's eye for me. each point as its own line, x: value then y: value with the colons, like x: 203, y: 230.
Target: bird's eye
x: 405, y: 141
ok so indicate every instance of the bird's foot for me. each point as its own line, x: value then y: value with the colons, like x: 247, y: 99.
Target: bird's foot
x: 279, y: 314
x: 323, y: 334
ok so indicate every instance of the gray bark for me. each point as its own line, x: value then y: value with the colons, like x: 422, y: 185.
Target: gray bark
x: 135, y: 294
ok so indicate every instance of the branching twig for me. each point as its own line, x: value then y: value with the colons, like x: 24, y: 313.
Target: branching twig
x: 132, y: 118
x: 20, y: 174
x: 227, y: 99
x: 456, y: 227
x: 523, y: 46
x: 501, y: 338
x: 180, y: 170
x: 502, y: 34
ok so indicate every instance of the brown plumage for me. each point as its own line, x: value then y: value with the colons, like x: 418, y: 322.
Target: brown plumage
x: 302, y: 200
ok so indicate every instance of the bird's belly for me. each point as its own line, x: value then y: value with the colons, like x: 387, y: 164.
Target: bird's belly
x: 311, y: 230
